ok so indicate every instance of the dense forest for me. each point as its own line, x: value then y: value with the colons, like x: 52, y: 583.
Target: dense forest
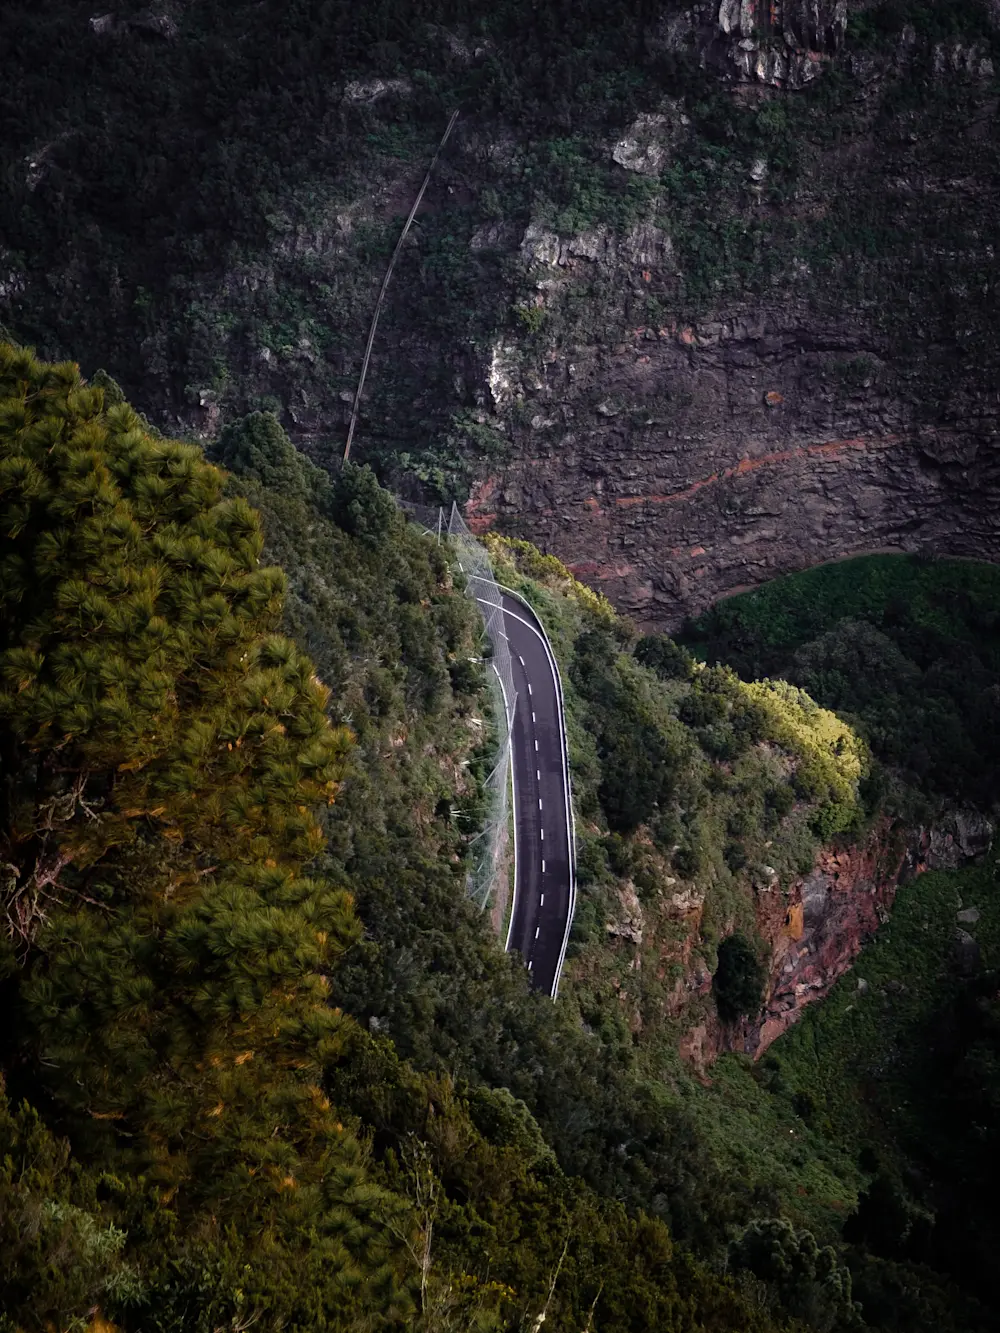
x: 908, y: 648
x: 196, y: 1134
x: 264, y: 1060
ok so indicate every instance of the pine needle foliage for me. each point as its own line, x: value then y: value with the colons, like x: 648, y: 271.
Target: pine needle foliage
x: 163, y: 751
x: 142, y: 682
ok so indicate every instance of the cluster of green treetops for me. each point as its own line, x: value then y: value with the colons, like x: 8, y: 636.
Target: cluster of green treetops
x: 263, y: 1062
x: 907, y: 648
x: 194, y: 1135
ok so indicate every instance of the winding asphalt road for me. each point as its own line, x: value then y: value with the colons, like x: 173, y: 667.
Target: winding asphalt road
x: 544, y: 888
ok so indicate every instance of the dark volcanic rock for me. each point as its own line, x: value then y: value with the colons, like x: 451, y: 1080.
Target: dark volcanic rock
x: 723, y: 455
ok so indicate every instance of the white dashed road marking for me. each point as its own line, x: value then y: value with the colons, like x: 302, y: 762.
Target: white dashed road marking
x: 537, y: 929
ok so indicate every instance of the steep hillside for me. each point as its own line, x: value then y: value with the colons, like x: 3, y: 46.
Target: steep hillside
x: 269, y: 1065
x: 907, y: 648
x: 193, y: 1133
x: 900, y: 1066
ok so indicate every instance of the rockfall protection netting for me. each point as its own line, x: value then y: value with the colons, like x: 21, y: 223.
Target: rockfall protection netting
x: 488, y: 876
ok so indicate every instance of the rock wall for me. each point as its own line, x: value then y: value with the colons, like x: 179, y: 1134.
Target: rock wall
x: 814, y: 926
x: 720, y: 456
x: 819, y: 924
x: 852, y: 407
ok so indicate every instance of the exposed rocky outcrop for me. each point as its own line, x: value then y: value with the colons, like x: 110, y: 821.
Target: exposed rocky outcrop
x: 688, y: 463
x: 627, y: 923
x: 670, y: 456
x: 814, y: 925
x: 146, y: 23
x: 817, y: 926
x: 778, y: 42
x: 646, y: 146
x: 670, y: 463
x: 366, y: 91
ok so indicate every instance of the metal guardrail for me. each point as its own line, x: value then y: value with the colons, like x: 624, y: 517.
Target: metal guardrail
x: 491, y: 862
x: 491, y: 842
x: 564, y: 748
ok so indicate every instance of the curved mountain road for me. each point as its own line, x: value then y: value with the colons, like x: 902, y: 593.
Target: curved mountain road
x: 544, y: 876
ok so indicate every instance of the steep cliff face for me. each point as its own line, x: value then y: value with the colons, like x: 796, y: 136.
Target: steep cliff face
x: 748, y: 462
x: 698, y: 292
x: 815, y: 926
x: 830, y: 913
x: 850, y: 407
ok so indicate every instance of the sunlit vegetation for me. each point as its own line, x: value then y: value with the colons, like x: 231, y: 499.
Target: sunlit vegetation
x: 196, y: 1133
x: 907, y: 648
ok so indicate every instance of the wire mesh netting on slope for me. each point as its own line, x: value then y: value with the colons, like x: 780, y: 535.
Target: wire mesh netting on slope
x: 488, y: 877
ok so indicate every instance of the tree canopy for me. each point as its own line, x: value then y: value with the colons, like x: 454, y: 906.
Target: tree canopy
x: 194, y: 1134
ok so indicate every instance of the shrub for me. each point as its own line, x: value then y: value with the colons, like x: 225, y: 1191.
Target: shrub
x: 688, y: 860
x: 810, y: 1282
x: 739, y: 979
x: 257, y: 449
x: 361, y: 507
x: 668, y: 659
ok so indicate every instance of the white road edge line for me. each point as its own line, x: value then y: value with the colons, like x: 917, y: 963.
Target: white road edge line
x: 513, y: 797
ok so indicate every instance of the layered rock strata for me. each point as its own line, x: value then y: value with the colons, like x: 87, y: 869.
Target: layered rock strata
x: 690, y: 463
x: 818, y: 925
x: 852, y: 407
